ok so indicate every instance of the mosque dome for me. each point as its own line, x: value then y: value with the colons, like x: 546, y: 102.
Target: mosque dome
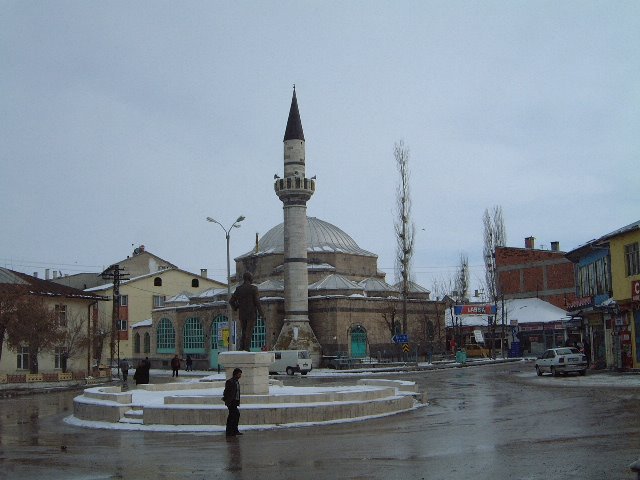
x: 322, y: 237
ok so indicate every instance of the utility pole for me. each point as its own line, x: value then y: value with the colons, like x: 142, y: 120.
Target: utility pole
x: 115, y: 273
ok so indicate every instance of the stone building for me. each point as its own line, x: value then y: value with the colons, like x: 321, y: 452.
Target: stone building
x: 347, y: 307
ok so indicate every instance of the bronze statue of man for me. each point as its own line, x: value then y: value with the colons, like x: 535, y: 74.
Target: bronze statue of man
x: 246, y: 301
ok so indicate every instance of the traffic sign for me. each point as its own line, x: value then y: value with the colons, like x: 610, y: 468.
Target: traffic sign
x: 400, y: 338
x: 405, y: 348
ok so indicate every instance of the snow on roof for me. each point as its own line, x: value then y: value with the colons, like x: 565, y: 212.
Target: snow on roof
x: 335, y: 282
x: 522, y: 310
x: 144, y: 323
x: 376, y: 285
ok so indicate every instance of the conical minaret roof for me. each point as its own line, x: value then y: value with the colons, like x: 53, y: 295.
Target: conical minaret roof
x: 294, y: 124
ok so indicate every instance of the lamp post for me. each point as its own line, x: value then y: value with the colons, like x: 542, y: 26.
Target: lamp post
x: 227, y: 234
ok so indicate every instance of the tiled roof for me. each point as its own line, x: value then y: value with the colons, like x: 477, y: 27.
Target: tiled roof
x: 11, y: 281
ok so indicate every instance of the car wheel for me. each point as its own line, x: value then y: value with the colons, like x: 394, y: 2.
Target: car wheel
x: 538, y: 371
x: 554, y: 372
x: 289, y: 371
x: 304, y: 373
x: 582, y: 373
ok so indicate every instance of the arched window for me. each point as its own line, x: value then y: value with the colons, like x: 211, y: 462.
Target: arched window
x: 166, y: 337
x: 259, y: 334
x: 136, y: 343
x: 193, y: 336
x: 157, y: 282
x: 195, y: 283
x: 147, y: 343
x: 219, y: 333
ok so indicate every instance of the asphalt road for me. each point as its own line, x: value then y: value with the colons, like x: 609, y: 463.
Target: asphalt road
x: 489, y: 422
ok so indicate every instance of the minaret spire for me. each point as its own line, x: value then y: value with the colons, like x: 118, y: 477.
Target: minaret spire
x: 294, y: 190
x: 294, y: 124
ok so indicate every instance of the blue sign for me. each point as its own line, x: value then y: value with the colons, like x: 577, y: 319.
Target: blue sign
x: 400, y: 338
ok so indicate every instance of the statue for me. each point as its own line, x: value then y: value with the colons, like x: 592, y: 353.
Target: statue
x: 246, y: 301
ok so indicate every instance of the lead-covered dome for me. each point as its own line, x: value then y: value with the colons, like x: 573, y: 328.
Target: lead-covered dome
x: 321, y: 237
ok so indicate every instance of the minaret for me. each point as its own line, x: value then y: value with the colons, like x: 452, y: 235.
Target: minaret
x: 295, y: 189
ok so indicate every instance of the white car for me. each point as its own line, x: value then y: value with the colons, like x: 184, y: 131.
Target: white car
x: 561, y: 360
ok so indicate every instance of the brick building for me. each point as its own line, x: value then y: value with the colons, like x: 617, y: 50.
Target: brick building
x: 534, y: 273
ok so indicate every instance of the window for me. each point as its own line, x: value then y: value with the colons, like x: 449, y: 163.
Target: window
x: 166, y: 336
x: 157, y: 282
x: 195, y: 283
x: 193, y: 336
x: 594, y: 278
x: 136, y: 343
x: 121, y: 325
x: 23, y: 358
x: 61, y: 315
x: 58, y: 357
x: 158, y: 301
x: 124, y: 300
x: 632, y: 259
x: 258, y: 336
x: 147, y: 343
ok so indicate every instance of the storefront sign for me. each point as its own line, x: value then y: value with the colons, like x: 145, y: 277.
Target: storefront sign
x: 579, y: 303
x: 635, y: 291
x: 474, y: 309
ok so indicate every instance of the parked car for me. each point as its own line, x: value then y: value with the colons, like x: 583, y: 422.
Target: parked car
x: 561, y: 360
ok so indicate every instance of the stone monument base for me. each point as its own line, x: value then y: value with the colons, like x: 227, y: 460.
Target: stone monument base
x: 255, y: 370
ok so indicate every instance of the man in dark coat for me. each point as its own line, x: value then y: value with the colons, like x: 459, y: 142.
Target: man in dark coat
x: 231, y: 398
x: 246, y: 300
x: 175, y: 366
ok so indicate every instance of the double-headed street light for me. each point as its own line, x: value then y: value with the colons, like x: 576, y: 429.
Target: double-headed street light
x: 232, y: 324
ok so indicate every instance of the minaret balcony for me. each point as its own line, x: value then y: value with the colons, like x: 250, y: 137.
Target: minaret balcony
x: 294, y: 186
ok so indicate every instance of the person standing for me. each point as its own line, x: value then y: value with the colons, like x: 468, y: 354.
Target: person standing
x: 124, y: 368
x: 189, y: 363
x: 231, y: 398
x: 245, y: 299
x: 175, y: 366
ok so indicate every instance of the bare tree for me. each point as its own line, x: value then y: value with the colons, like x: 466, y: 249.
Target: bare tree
x: 74, y: 339
x: 495, y: 235
x: 9, y: 299
x: 101, y: 331
x: 462, y: 279
x: 404, y: 227
x: 34, y: 325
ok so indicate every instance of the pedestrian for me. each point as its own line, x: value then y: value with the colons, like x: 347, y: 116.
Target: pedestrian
x: 175, y: 366
x: 124, y: 368
x: 141, y: 375
x: 231, y: 398
x: 189, y: 364
x: 245, y: 299
x: 587, y: 352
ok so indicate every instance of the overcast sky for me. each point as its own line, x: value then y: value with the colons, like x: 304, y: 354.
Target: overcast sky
x: 128, y: 123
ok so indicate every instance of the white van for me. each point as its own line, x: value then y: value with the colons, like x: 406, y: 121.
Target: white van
x: 291, y: 361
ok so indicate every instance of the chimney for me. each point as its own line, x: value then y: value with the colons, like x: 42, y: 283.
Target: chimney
x: 46, y: 274
x: 203, y: 272
x: 55, y: 274
x: 35, y: 274
x: 530, y: 242
x: 555, y: 246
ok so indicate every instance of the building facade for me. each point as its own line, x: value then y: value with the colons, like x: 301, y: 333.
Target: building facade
x: 534, y: 273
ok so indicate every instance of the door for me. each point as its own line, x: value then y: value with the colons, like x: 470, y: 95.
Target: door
x: 358, y: 342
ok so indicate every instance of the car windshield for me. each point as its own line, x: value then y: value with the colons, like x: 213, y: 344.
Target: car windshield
x: 303, y: 354
x: 567, y: 351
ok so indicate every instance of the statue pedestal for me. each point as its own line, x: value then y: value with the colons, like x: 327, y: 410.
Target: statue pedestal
x: 255, y: 369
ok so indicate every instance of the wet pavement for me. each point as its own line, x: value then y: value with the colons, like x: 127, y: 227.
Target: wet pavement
x: 489, y: 422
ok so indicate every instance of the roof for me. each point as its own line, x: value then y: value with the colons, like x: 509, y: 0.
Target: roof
x: 413, y: 287
x: 621, y: 231
x: 294, y: 124
x: 376, y: 285
x: 522, y: 310
x: 159, y: 273
x: 335, y: 282
x: 11, y: 281
x: 321, y: 237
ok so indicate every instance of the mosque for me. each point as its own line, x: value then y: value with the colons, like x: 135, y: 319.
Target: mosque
x: 347, y: 308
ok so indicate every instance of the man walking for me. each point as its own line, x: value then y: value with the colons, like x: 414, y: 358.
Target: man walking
x: 231, y: 398
x: 245, y: 299
x: 175, y: 366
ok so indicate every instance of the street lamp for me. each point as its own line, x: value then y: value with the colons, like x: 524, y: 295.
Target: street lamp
x: 227, y: 234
